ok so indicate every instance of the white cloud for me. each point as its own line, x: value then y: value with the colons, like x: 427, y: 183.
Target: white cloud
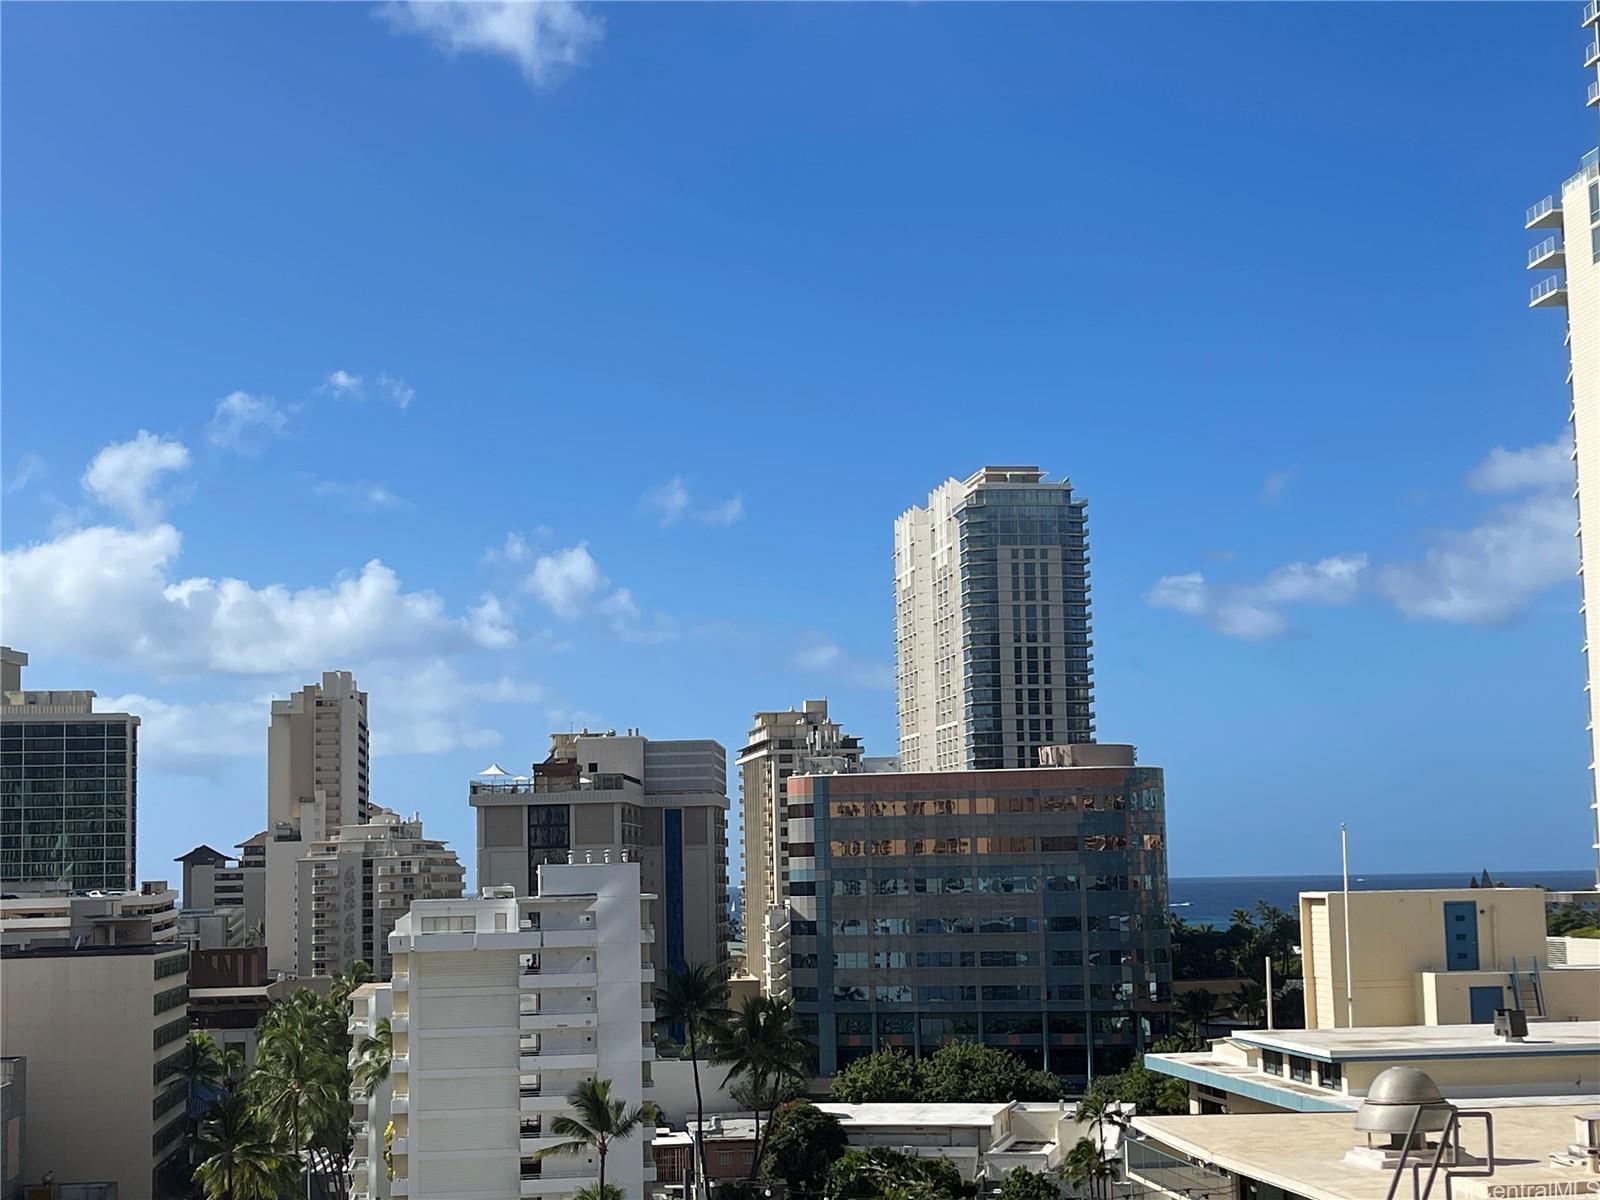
x: 244, y: 423
x: 669, y: 501
x: 431, y: 709
x: 113, y: 596
x: 368, y: 496
x: 1254, y: 611
x: 29, y: 467
x: 1492, y: 572
x: 545, y: 38
x: 1486, y: 574
x: 823, y: 657
x: 1547, y: 465
x: 121, y: 475
x: 397, y: 391
x: 566, y: 580
x: 182, y: 738
x: 343, y: 383
x: 515, y: 550
x: 1273, y: 487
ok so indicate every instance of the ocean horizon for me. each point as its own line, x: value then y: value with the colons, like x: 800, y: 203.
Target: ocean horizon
x: 1210, y: 900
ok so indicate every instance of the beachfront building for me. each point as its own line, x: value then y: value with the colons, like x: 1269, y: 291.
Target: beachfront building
x: 662, y: 802
x: 1024, y: 909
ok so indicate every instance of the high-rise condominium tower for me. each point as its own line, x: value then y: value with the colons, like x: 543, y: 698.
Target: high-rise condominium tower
x: 68, y: 787
x: 991, y: 594
x: 1573, y: 246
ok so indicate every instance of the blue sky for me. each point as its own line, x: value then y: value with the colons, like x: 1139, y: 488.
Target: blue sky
x: 569, y: 366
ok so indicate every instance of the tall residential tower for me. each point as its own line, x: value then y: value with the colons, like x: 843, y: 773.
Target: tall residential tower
x: 1572, y: 246
x: 991, y: 593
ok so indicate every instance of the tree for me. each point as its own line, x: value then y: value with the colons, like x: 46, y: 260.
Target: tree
x: 802, y: 1143
x: 373, y: 1056
x: 1249, y: 1003
x: 201, y: 1067
x: 881, y: 1173
x: 594, y: 1192
x: 966, y: 1073
x: 600, y: 1121
x: 243, y: 1160
x: 1086, y: 1163
x: 1149, y: 1092
x: 697, y: 1000
x: 888, y: 1076
x: 358, y: 974
x: 295, y: 1087
x: 1195, y: 1008
x: 761, y: 1046
x: 1019, y: 1183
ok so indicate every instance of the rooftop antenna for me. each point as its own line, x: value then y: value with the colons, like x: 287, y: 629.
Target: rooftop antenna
x: 1349, y: 980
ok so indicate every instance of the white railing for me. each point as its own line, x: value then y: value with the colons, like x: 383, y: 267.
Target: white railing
x: 1543, y: 288
x: 1591, y: 10
x: 1545, y: 206
x: 1543, y: 250
x: 1594, y: 92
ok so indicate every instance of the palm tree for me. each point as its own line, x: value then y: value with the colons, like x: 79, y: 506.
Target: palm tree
x: 600, y: 1121
x: 373, y: 1055
x: 696, y: 999
x: 200, y: 1066
x: 244, y: 1161
x: 343, y: 985
x: 295, y: 1086
x: 762, y: 1047
x: 593, y: 1192
x: 1249, y: 1002
x: 1086, y: 1163
x: 1196, y: 1008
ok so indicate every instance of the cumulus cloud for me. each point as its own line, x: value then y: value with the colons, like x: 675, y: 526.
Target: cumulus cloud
x: 566, y: 580
x: 545, y: 38
x: 114, y: 595
x: 342, y: 383
x: 396, y: 391
x: 194, y: 738
x: 821, y: 656
x: 245, y: 423
x: 431, y: 709
x: 346, y: 385
x: 1253, y: 611
x: 671, y: 502
x: 122, y: 475
x: 1486, y: 574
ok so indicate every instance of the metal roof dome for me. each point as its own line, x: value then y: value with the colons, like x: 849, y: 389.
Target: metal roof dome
x: 1399, y: 1096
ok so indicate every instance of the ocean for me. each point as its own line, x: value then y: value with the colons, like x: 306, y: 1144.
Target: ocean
x: 1211, y: 901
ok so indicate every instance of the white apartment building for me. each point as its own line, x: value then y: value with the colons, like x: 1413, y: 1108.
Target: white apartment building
x: 501, y: 1005
x: 355, y: 887
x: 992, y: 646
x: 94, y: 996
x: 316, y: 785
x: 1571, y: 250
x: 780, y: 744
x: 369, y: 1114
x: 663, y: 802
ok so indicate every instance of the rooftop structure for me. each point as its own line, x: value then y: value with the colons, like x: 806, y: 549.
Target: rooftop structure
x: 94, y: 918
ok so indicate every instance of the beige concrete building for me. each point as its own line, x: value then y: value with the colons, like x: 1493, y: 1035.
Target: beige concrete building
x: 353, y: 888
x: 780, y: 744
x: 370, y: 1113
x: 213, y: 880
x: 69, y: 785
x: 94, y: 996
x: 992, y: 645
x: 1568, y: 260
x: 1438, y: 957
x: 501, y: 1005
x: 663, y: 802
x: 317, y: 783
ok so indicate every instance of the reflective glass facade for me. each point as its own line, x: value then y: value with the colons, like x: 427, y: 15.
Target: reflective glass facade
x: 1021, y: 908
x: 67, y: 799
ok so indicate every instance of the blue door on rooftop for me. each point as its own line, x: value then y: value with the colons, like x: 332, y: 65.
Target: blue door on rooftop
x: 1461, y: 935
x: 1484, y: 1001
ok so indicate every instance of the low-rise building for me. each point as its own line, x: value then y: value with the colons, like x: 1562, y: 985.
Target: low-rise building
x: 1331, y: 1070
x: 1435, y: 957
x: 97, y: 1003
x: 230, y: 990
x: 663, y: 802
x: 213, y: 881
x: 501, y: 1005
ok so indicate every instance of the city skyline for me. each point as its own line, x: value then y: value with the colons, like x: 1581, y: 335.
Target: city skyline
x: 1329, y: 500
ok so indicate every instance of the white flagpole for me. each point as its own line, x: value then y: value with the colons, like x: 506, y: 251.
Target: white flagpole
x: 1349, y: 983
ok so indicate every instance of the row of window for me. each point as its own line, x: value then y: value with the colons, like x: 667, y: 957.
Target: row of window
x: 901, y: 993
x: 175, y: 964
x: 14, y: 732
x: 1010, y: 844
x: 1328, y: 1074
x: 1146, y: 799
x: 946, y: 1025
x: 900, y: 926
x: 171, y: 1032
x: 882, y: 960
x: 1009, y: 883
x: 170, y: 999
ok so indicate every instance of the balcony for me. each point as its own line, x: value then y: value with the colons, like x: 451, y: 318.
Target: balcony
x: 399, y: 1186
x: 401, y: 1146
x: 557, y: 1185
x: 1548, y: 293
x: 400, y: 983
x: 550, y: 980
x: 1549, y: 254
x: 399, y: 1104
x: 399, y: 1022
x: 530, y: 1022
x: 1594, y: 93
x: 1544, y: 215
x: 1591, y: 13
x: 400, y: 1064
x: 545, y: 1060
x: 532, y: 1100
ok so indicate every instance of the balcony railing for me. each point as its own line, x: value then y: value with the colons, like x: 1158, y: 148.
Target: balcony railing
x: 1591, y: 12
x: 1594, y: 93
x: 1544, y: 214
x: 1547, y: 293
x: 1546, y: 250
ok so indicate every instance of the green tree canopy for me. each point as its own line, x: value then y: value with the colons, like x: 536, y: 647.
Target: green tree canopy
x: 1023, y: 1184
x: 966, y: 1073
x: 802, y: 1143
x: 881, y: 1173
x: 888, y: 1076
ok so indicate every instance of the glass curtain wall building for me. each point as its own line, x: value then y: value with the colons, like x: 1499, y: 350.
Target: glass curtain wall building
x: 1024, y: 909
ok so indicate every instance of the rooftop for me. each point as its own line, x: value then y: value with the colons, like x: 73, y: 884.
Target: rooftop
x: 1426, y: 1041
x: 1303, y: 1153
x: 983, y: 1115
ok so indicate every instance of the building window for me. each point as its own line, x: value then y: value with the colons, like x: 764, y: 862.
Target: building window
x: 1272, y: 1062
x: 1594, y: 203
x: 1299, y: 1069
x: 1330, y: 1075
